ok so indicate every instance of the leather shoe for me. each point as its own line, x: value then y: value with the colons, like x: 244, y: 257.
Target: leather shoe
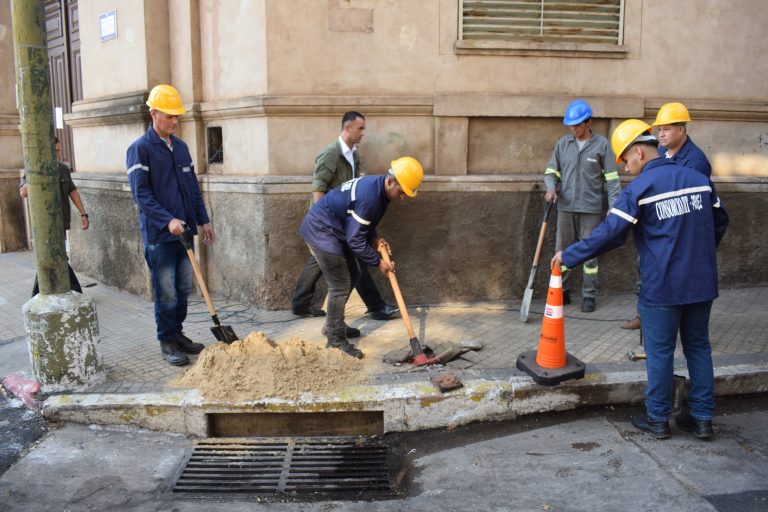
x: 632, y: 324
x: 387, y: 312
x: 566, y: 297
x: 699, y: 428
x: 307, y: 312
x: 186, y: 345
x: 172, y: 354
x: 658, y: 429
x: 347, y: 348
x: 588, y: 305
x: 351, y: 332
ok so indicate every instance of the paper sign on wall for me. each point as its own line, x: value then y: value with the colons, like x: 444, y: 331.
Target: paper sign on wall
x: 108, y: 25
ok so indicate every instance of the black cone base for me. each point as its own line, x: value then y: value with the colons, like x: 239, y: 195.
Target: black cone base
x: 573, y: 369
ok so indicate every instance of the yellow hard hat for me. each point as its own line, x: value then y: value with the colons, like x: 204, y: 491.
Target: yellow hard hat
x: 166, y: 99
x: 408, y: 173
x: 670, y: 113
x: 625, y: 134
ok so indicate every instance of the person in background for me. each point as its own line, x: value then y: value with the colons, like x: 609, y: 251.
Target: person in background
x: 337, y: 163
x: 68, y: 193
x: 580, y: 166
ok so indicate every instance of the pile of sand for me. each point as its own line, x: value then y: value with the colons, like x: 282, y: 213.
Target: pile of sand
x: 256, y: 367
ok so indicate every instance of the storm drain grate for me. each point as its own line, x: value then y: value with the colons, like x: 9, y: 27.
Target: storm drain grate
x: 297, y: 466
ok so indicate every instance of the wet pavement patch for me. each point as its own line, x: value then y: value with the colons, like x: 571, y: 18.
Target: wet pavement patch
x: 747, y: 501
x: 20, y: 427
x: 287, y: 468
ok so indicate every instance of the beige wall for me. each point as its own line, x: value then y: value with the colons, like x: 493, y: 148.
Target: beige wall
x: 121, y: 65
x: 234, y: 48
x: 11, y: 156
x: 408, y: 48
x: 277, y: 75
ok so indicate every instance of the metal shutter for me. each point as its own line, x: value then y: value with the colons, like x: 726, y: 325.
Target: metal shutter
x: 574, y: 21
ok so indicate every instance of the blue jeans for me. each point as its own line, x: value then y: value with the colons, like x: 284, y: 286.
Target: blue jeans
x: 660, y: 327
x: 172, y: 283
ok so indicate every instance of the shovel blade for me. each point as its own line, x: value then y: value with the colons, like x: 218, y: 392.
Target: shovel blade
x: 224, y: 333
x: 526, y: 305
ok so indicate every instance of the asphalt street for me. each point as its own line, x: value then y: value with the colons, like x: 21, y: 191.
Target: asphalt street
x: 585, y: 460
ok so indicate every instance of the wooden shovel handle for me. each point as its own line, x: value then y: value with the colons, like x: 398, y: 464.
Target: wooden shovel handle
x: 398, y: 295
x: 542, y: 231
x: 201, y: 283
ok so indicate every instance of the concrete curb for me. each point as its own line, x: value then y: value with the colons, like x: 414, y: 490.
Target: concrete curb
x: 407, y: 406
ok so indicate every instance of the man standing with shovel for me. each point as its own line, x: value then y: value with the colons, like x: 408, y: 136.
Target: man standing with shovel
x: 165, y: 188
x: 340, y: 229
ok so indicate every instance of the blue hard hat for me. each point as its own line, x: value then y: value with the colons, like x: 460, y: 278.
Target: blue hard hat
x: 577, y: 112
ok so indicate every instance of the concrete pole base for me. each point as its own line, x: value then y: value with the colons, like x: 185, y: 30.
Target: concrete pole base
x: 63, y: 337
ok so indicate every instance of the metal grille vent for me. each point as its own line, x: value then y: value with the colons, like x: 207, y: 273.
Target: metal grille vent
x: 574, y: 21
x: 289, y: 466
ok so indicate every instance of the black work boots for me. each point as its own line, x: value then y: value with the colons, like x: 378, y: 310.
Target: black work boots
x: 351, y: 332
x: 172, y: 354
x: 699, y: 428
x: 175, y: 351
x: 658, y: 429
x: 186, y: 345
x: 345, y: 346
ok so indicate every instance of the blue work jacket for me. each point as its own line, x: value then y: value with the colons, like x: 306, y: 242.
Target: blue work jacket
x: 347, y: 217
x: 164, y: 186
x: 677, y: 222
x: 690, y: 156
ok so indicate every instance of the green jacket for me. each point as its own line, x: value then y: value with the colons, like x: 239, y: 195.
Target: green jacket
x: 332, y: 168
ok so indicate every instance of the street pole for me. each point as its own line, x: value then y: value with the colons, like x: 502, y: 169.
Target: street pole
x: 40, y: 167
x: 61, y: 325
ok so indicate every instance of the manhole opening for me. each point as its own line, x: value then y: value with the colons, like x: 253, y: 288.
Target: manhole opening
x: 299, y: 468
x: 345, y: 423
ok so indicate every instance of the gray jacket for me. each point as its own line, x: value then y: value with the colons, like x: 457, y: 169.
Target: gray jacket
x: 579, y: 175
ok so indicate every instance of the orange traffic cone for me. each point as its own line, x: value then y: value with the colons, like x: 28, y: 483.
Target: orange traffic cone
x: 551, y: 352
x: 551, y: 364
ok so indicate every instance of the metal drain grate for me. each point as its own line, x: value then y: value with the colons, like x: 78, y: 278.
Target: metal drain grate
x: 298, y: 466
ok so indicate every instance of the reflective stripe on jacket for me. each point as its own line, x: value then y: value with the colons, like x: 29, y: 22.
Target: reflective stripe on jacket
x: 164, y: 186
x: 580, y: 174
x: 347, y: 217
x: 677, y: 222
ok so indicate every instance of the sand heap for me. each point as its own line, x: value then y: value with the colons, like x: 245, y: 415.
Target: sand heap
x: 256, y: 367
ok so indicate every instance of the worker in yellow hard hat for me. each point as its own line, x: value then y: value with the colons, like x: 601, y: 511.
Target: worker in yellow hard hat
x: 338, y: 162
x: 671, y: 128
x: 164, y: 186
x: 671, y: 123
x: 340, y: 231
x: 677, y: 221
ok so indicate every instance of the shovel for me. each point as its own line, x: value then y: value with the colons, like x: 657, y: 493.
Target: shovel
x: 223, y: 333
x: 528, y: 295
x: 419, y: 358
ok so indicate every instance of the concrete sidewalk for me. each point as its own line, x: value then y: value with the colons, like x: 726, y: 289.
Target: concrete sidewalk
x: 739, y: 333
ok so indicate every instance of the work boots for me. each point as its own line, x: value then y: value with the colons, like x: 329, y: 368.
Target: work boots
x: 658, y: 429
x: 345, y: 346
x: 186, y: 345
x: 172, y: 354
x: 699, y: 428
x: 351, y: 332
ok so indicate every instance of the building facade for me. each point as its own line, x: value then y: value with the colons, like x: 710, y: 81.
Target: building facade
x: 473, y: 89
